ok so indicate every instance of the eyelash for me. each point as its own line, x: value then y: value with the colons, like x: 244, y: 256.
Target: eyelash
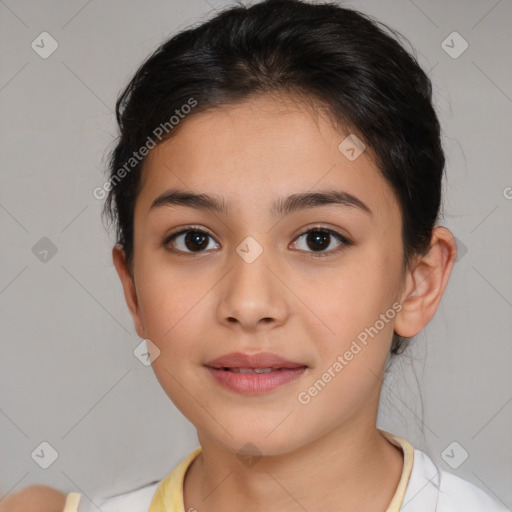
x: 345, y: 242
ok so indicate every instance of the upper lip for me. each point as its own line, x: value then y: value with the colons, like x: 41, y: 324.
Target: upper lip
x: 257, y: 360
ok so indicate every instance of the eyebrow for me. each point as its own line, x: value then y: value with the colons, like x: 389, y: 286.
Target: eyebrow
x: 281, y: 207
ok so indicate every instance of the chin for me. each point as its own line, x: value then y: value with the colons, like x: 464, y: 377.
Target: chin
x: 254, y: 438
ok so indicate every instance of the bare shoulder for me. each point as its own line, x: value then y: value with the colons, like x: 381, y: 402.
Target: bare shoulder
x: 34, y: 498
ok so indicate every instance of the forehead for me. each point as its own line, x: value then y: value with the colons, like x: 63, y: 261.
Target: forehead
x: 256, y: 151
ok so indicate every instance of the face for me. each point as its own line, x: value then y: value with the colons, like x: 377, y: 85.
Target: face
x: 306, y: 284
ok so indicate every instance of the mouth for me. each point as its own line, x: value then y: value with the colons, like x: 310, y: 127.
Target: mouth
x: 255, y: 373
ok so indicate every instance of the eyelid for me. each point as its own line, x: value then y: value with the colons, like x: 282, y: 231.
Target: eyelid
x: 320, y: 227
x: 189, y: 227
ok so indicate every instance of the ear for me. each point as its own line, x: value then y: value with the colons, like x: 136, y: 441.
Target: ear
x: 425, y: 283
x: 130, y: 292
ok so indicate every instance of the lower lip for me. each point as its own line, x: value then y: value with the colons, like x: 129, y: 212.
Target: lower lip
x: 255, y: 383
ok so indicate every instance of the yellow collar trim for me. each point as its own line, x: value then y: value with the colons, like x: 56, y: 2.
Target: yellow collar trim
x: 408, y: 451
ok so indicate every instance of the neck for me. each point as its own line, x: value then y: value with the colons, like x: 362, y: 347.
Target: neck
x: 360, y: 474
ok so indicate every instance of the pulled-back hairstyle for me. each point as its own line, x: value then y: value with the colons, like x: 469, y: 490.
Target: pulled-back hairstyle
x: 338, y: 58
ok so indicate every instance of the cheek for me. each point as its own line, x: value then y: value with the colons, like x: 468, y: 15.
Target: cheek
x: 359, y: 309
x: 169, y: 300
x: 356, y: 304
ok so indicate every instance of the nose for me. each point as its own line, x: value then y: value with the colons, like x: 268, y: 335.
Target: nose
x: 252, y: 296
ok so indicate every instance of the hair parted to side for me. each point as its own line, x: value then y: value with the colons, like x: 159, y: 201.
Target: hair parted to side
x: 339, y: 58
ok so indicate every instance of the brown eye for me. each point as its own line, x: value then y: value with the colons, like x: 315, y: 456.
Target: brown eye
x: 317, y: 240
x: 189, y: 241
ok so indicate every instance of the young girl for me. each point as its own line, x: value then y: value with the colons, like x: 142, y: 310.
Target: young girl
x: 276, y: 191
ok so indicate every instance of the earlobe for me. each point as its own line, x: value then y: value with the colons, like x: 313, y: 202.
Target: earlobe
x: 425, y: 284
x: 130, y: 292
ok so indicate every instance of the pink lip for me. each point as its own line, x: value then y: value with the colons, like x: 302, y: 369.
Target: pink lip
x: 252, y: 383
x: 257, y: 360
x: 284, y: 371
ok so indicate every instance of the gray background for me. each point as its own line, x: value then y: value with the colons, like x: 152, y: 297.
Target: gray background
x: 67, y: 370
